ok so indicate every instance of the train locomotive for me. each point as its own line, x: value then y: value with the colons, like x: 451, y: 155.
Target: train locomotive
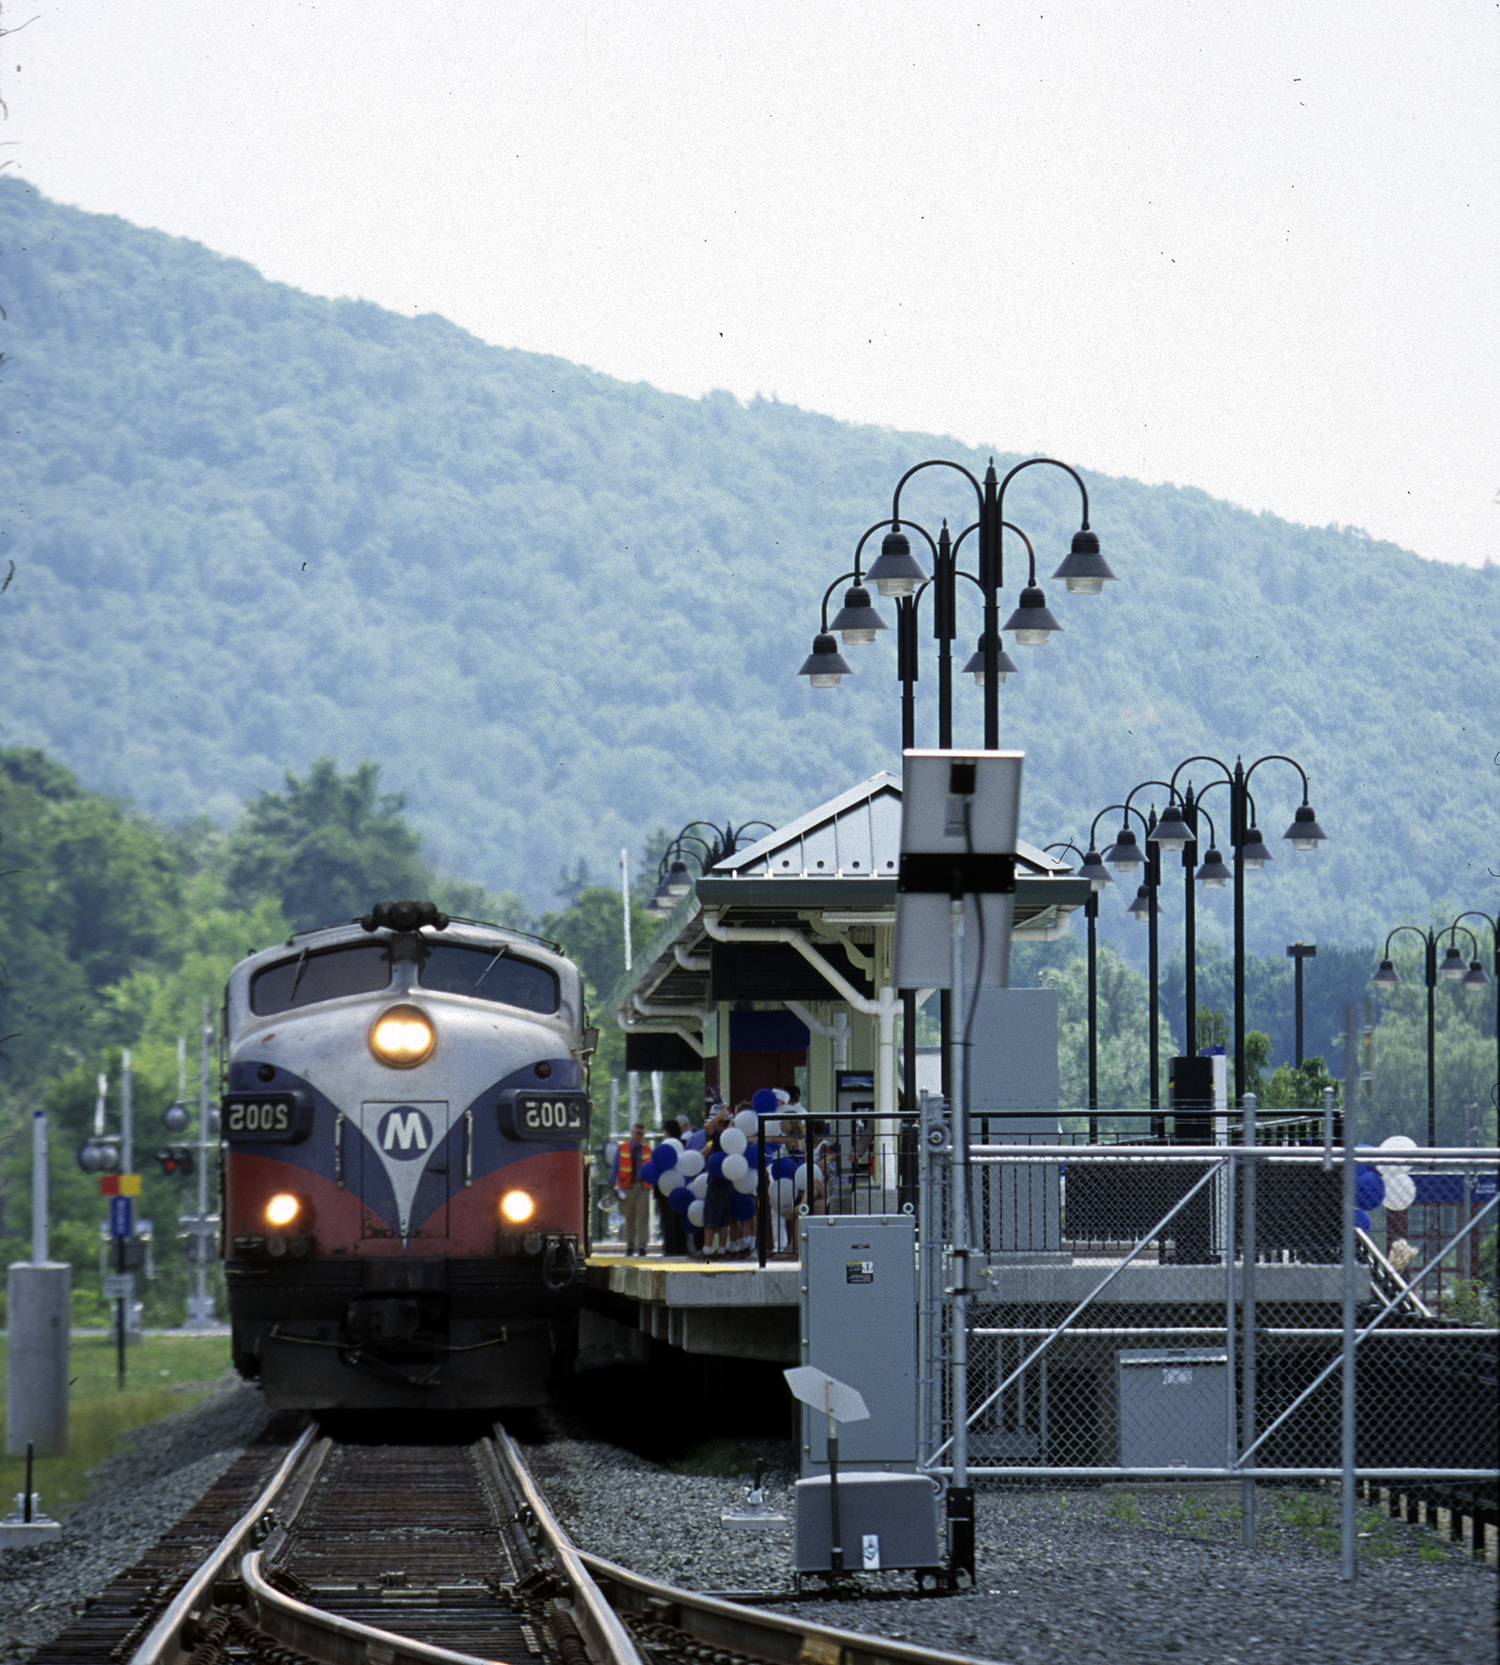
x: 403, y: 1128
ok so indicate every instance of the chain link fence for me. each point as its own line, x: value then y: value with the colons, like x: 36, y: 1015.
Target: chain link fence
x: 1224, y: 1315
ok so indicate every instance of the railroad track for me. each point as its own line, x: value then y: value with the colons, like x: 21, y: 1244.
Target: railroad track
x: 447, y: 1555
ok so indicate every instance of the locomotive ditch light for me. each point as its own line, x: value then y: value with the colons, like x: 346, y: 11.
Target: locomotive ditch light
x: 517, y: 1207
x: 282, y: 1209
x: 403, y: 1037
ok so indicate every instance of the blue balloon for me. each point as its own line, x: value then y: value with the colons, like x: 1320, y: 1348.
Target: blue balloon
x: 650, y: 1173
x: 1369, y: 1188
x: 664, y: 1156
x: 679, y: 1199
x: 1361, y: 1219
x: 765, y: 1100
x: 715, y: 1163
x: 752, y: 1154
x: 783, y: 1168
x: 742, y: 1206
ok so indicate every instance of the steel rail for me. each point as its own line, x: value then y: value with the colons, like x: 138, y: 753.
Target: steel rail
x: 330, y: 1636
x: 708, y: 1621
x: 164, y: 1643
x: 712, y: 1622
x: 600, y: 1626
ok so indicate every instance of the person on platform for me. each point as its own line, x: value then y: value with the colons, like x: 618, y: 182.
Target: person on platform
x: 668, y: 1220
x: 718, y: 1199
x: 634, y: 1193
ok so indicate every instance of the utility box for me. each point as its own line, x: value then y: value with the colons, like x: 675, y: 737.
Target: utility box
x: 886, y: 1522
x: 1016, y: 1211
x: 859, y: 1325
x: 1173, y: 1412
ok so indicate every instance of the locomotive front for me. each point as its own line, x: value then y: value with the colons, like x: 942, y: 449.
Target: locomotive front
x: 403, y: 1126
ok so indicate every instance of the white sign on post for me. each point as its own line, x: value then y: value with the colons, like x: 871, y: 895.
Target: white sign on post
x: 827, y: 1394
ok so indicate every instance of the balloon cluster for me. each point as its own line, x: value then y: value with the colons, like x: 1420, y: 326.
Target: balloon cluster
x: 682, y: 1175
x: 1385, y: 1184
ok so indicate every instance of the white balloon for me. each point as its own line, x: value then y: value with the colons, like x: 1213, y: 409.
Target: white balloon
x: 799, y: 1179
x: 689, y: 1164
x: 748, y: 1184
x: 668, y: 1182
x: 676, y: 1144
x: 695, y: 1212
x: 747, y: 1121
x: 1400, y: 1190
x: 1398, y: 1141
x: 783, y: 1195
x: 772, y: 1130
x: 735, y: 1168
x: 699, y: 1186
x: 732, y: 1141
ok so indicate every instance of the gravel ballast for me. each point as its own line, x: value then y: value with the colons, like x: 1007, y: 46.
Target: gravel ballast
x: 159, y: 1472
x: 1067, y: 1578
x: 1072, y: 1578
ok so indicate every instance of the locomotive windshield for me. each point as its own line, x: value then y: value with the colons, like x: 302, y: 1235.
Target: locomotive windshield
x: 307, y: 978
x: 490, y: 974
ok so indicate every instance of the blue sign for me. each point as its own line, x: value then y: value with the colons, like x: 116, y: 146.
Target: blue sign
x: 121, y: 1216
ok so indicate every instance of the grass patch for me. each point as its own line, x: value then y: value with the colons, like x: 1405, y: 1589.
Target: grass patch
x: 717, y: 1459
x: 164, y: 1374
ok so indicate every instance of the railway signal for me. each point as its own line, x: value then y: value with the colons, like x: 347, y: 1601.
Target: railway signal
x: 176, y: 1160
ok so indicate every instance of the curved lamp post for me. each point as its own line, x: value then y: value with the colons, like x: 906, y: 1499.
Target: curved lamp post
x: 896, y: 572
x: 1250, y: 855
x: 1453, y: 968
x: 859, y: 622
x: 1091, y: 866
x: 1178, y: 830
x: 1475, y: 978
x: 675, y: 879
x: 1125, y: 855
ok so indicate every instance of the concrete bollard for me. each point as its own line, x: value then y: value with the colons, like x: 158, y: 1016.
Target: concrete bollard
x: 36, y: 1389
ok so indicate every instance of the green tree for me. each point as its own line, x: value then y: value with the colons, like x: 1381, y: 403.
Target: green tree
x: 327, y: 847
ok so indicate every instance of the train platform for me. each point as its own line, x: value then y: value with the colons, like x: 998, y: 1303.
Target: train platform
x: 718, y: 1308
x: 740, y: 1310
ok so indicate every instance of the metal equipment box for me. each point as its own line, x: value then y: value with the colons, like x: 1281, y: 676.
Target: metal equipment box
x: 1173, y: 1411
x: 859, y: 1324
x: 886, y: 1522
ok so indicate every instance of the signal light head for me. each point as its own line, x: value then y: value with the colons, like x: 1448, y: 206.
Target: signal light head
x: 403, y: 1037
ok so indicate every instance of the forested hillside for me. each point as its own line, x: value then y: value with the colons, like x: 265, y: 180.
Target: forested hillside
x: 251, y: 527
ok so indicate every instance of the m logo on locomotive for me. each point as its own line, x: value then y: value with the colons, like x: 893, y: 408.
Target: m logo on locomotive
x: 405, y: 1133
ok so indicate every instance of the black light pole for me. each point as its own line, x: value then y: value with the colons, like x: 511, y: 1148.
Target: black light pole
x: 1125, y: 855
x: 674, y: 878
x: 1300, y: 951
x: 1178, y: 830
x: 1091, y: 867
x: 1250, y: 855
x: 1452, y: 967
x: 859, y: 621
x: 1476, y: 978
x: 1084, y: 570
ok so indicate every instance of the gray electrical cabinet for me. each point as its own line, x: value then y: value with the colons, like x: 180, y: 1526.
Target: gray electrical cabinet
x: 886, y: 1522
x: 859, y: 1325
x: 1173, y: 1410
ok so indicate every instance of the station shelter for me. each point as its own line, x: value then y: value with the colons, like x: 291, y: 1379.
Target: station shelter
x: 776, y: 968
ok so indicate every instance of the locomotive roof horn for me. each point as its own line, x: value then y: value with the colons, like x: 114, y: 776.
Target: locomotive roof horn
x: 404, y: 916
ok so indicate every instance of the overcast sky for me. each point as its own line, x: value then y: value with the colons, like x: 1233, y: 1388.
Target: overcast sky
x: 1250, y: 247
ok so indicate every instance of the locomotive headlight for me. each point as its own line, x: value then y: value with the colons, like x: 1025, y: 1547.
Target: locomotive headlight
x: 517, y: 1207
x: 403, y: 1037
x: 282, y: 1209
